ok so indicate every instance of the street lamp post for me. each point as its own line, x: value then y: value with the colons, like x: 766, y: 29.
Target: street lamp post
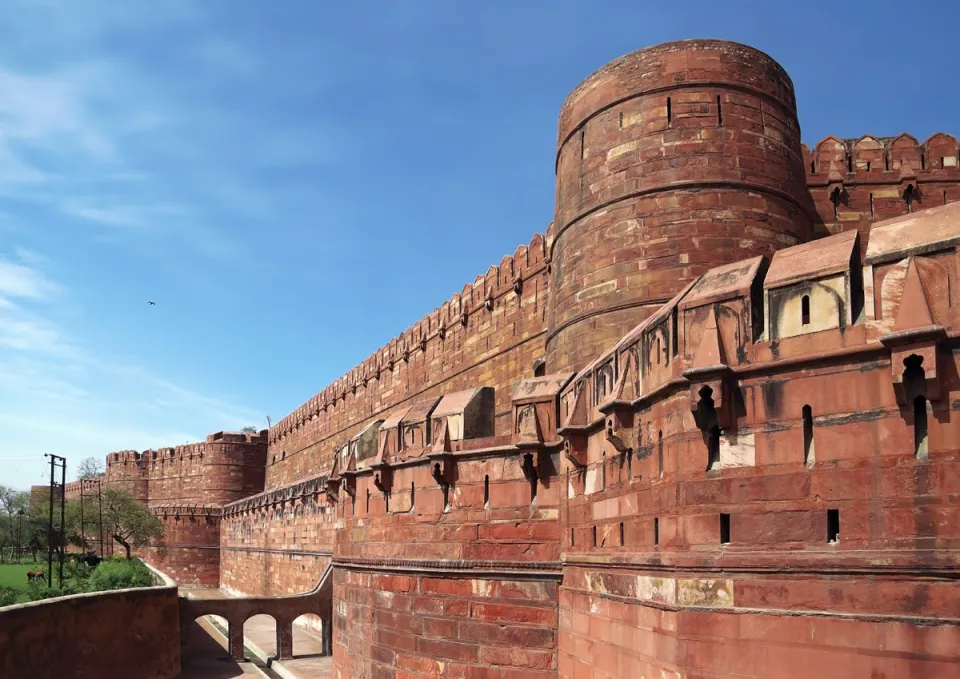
x: 20, y: 513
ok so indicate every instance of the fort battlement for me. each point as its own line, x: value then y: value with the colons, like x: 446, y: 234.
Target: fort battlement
x: 704, y: 425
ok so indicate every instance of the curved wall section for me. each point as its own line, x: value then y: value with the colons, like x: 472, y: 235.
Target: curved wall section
x: 671, y: 160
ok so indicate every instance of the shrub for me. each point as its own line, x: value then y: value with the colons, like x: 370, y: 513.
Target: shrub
x: 8, y: 596
x: 120, y: 575
x: 37, y: 590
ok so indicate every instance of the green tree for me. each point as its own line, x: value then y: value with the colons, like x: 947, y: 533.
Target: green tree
x: 12, y: 503
x: 124, y: 519
x: 249, y: 429
x: 129, y: 522
x: 89, y: 468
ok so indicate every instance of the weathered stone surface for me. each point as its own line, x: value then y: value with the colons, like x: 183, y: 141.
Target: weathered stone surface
x: 107, y: 635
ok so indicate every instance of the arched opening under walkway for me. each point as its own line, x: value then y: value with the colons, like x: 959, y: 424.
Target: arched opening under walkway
x: 312, y: 636
x: 261, y: 635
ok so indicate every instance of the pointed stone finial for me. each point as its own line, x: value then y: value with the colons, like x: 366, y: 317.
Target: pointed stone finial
x: 710, y: 351
x: 441, y: 444
x: 914, y: 311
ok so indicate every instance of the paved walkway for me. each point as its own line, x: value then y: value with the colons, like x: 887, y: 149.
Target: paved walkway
x: 205, y: 656
x: 260, y: 631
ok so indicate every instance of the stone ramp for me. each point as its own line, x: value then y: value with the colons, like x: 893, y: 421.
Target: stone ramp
x: 284, y: 610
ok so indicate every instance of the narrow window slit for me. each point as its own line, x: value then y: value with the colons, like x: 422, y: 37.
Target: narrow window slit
x: 886, y: 161
x: 486, y: 490
x: 724, y: 529
x: 808, y: 450
x: 920, y: 441
x: 813, y: 167
x: 719, y: 112
x: 849, y: 163
x: 660, y: 454
x: 368, y: 500
x: 582, y: 143
x: 656, y: 531
x: 594, y: 536
x: 669, y: 113
x: 572, y: 541
x: 833, y: 525
x: 413, y: 495
x: 868, y: 165
x: 805, y: 310
x: 622, y: 542
x: 923, y: 161
x: 675, y: 332
x: 621, y: 120
x: 386, y: 502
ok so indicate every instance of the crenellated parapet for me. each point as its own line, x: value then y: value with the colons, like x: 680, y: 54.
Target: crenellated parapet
x: 856, y: 182
x: 314, y: 488
x: 178, y: 510
x: 443, y: 330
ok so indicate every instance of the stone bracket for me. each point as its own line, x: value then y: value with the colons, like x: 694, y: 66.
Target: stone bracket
x: 382, y: 477
x: 575, y: 450
x: 922, y: 342
x: 619, y: 430
x: 720, y: 381
x: 348, y: 481
x: 442, y: 467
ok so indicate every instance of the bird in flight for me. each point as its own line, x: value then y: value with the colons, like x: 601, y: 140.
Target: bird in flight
x: 152, y: 303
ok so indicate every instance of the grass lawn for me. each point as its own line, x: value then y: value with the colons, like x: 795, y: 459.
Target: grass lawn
x: 15, y: 576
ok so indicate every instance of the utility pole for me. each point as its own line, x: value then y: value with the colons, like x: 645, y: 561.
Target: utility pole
x: 56, y: 461
x: 100, y: 505
x: 19, y: 535
x: 63, y: 515
x: 83, y: 539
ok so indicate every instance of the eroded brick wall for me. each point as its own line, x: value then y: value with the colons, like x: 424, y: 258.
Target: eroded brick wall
x: 610, y: 635
x: 108, y: 635
x: 191, y: 553
x: 389, y: 625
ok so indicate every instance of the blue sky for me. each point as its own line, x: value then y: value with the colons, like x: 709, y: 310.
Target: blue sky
x: 296, y: 182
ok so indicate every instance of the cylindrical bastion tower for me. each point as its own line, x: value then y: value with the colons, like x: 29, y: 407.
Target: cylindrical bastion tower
x: 671, y: 160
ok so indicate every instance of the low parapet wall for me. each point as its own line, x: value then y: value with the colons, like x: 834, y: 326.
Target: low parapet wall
x: 103, y: 635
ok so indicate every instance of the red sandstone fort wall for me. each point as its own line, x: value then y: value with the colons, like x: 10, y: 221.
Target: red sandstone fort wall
x: 491, y: 334
x: 855, y: 182
x: 670, y: 160
x: 186, y: 486
x: 740, y: 486
x: 276, y: 543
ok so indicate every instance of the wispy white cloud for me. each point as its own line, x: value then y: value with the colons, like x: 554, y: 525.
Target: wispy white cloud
x: 57, y: 394
x: 123, y: 215
x: 18, y: 279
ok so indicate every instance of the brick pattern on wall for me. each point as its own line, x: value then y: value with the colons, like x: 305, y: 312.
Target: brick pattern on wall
x: 671, y: 160
x: 445, y: 625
